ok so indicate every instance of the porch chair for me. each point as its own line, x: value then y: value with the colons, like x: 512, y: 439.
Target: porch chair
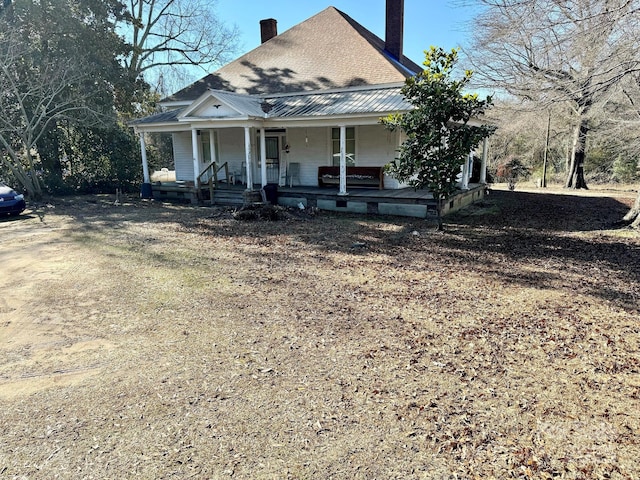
x: 293, y: 172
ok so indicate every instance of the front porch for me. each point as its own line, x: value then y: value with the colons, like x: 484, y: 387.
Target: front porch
x: 403, y: 202
x: 326, y: 138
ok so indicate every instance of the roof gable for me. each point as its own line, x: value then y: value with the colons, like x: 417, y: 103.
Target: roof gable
x: 329, y: 50
x: 220, y: 104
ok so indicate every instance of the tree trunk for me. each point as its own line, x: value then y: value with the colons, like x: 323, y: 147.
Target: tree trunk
x: 48, y: 148
x: 546, y: 153
x: 27, y: 178
x: 633, y: 217
x: 439, y: 213
x: 35, y: 187
x: 575, y: 178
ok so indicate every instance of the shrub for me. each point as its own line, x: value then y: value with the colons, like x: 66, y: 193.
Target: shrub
x: 511, y: 171
x: 626, y: 170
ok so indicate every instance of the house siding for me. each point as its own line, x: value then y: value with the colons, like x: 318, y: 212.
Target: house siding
x: 309, y: 147
x: 374, y: 146
x: 183, y: 156
x: 377, y: 146
x: 231, y: 148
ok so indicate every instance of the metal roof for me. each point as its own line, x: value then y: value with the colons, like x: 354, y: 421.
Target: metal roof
x: 346, y: 102
x: 354, y: 101
x: 170, y: 116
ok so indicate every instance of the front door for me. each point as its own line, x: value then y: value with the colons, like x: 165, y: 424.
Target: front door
x: 273, y: 158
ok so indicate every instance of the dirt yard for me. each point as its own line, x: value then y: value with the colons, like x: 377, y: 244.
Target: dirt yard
x: 148, y: 340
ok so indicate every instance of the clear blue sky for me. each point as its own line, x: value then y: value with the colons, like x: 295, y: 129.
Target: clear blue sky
x: 427, y: 22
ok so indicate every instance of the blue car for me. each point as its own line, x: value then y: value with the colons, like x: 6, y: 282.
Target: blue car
x: 11, y: 202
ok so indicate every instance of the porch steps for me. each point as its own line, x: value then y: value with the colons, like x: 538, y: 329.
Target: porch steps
x: 229, y: 198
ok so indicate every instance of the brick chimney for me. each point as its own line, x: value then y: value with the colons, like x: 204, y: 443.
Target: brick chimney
x: 394, y: 33
x: 268, y: 29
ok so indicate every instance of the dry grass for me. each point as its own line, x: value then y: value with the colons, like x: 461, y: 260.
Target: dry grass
x: 160, y: 341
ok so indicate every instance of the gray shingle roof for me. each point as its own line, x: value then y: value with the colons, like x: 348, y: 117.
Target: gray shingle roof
x: 327, y: 51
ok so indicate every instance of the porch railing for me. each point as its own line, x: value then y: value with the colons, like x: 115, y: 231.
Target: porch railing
x: 211, y: 174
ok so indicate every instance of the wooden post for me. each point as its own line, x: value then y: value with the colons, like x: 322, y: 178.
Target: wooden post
x: 343, y: 160
x: 145, y: 164
x: 465, y: 172
x: 483, y: 166
x: 212, y: 146
x: 247, y: 150
x: 196, y: 160
x: 263, y: 158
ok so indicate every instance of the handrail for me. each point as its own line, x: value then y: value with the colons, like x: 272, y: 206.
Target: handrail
x: 213, y: 178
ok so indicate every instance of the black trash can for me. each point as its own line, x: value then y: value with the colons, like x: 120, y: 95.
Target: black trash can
x: 271, y: 193
x: 146, y: 191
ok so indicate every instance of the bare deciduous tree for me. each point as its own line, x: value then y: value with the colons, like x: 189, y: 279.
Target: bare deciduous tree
x: 522, y: 133
x: 631, y: 91
x: 174, y: 33
x: 551, y: 51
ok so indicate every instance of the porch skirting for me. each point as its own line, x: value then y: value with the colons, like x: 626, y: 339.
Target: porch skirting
x: 402, y: 202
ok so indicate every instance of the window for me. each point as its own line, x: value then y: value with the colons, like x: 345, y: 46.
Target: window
x: 350, y: 146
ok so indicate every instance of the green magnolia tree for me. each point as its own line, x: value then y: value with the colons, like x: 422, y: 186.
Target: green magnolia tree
x: 439, y: 135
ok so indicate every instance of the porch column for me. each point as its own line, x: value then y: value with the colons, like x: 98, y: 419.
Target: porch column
x: 263, y: 158
x: 145, y: 165
x: 196, y: 155
x: 212, y: 146
x: 146, y: 191
x: 465, y: 172
x: 247, y: 151
x: 343, y: 160
x: 483, y: 165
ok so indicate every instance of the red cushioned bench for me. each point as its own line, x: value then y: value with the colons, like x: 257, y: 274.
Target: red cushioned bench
x: 363, y: 177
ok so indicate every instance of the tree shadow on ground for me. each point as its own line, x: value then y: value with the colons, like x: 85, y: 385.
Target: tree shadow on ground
x: 546, y: 240
x: 540, y: 241
x: 543, y: 211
